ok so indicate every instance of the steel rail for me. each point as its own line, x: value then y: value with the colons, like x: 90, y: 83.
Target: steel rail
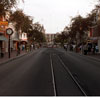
x: 53, y: 78
x: 66, y: 68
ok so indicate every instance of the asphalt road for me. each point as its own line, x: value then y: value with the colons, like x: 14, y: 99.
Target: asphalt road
x: 50, y: 72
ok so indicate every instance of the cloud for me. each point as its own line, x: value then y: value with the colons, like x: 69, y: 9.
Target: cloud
x: 55, y: 14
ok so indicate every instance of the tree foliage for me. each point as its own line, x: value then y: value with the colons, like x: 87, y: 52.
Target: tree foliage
x: 22, y: 21
x: 37, y: 33
x: 6, y: 5
x: 79, y: 27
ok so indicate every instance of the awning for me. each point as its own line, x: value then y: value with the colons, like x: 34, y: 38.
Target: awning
x: 1, y: 32
x: 16, y: 40
x: 24, y: 40
x: 2, y: 38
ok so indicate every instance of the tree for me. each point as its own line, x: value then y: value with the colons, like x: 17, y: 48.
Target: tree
x: 22, y: 21
x: 36, y: 34
x: 62, y: 38
x: 58, y: 39
x: 77, y: 31
x: 79, y: 27
x: 6, y: 5
x: 39, y: 27
x: 27, y: 25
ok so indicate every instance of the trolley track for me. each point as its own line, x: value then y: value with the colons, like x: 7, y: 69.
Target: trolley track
x: 53, y: 77
x: 67, y: 71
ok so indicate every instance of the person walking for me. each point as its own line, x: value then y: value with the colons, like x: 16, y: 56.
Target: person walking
x: 85, y: 48
x: 97, y: 49
x: 18, y: 50
x: 94, y: 49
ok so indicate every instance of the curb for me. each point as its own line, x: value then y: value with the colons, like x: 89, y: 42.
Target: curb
x: 87, y: 56
x: 93, y: 58
x: 14, y: 58
x: 11, y: 59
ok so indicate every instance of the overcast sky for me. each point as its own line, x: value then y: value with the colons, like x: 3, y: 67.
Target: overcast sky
x: 56, y: 14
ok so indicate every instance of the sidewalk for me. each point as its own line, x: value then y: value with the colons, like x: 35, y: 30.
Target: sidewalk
x: 97, y: 55
x: 13, y: 55
x: 94, y: 55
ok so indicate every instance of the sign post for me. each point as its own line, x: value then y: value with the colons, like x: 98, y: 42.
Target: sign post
x: 9, y: 32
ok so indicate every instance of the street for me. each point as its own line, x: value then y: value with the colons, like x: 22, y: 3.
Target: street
x: 50, y: 72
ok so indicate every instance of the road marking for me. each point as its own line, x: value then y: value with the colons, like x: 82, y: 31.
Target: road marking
x: 81, y: 89
x: 53, y: 79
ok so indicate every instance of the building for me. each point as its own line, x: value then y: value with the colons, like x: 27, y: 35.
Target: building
x: 50, y: 38
x: 95, y: 35
x: 3, y: 35
x: 95, y: 31
x: 23, y: 39
x: 16, y: 38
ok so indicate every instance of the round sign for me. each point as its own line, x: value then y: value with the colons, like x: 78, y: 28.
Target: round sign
x: 9, y: 31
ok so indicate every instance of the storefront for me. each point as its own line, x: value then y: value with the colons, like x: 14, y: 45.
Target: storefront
x: 95, y: 35
x: 23, y: 44
x: 3, y: 41
x: 15, y: 44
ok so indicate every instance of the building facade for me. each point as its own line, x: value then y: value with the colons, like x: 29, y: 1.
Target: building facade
x: 3, y: 35
x: 95, y: 33
x: 50, y: 38
x: 16, y: 38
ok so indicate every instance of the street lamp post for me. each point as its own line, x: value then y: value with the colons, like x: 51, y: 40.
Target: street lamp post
x: 9, y: 32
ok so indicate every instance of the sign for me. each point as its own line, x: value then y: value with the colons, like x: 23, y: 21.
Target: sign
x: 9, y: 31
x: 3, y: 23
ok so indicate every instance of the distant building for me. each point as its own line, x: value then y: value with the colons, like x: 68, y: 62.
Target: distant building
x: 50, y: 38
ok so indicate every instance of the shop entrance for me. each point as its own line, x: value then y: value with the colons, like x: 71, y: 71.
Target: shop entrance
x: 0, y: 48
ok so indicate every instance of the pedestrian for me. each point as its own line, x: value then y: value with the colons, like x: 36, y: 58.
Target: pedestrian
x: 32, y: 46
x: 94, y: 49
x: 65, y: 47
x: 23, y: 47
x: 74, y: 46
x: 85, y: 49
x: 97, y: 49
x: 71, y: 47
x: 89, y: 49
x: 18, y: 50
x: 80, y: 48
